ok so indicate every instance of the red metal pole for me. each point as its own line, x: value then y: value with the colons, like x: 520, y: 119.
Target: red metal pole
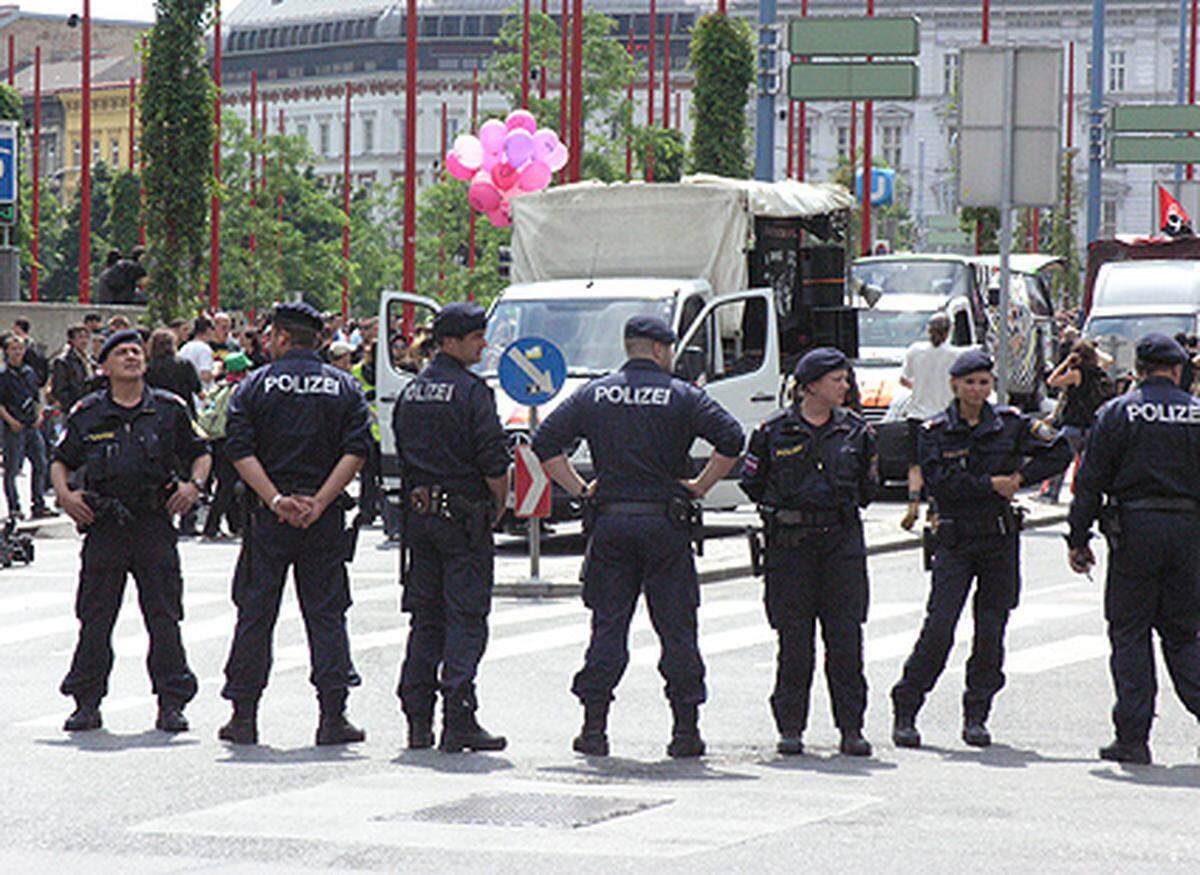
x: 36, y: 217
x: 262, y: 138
x: 442, y: 237
x: 651, y: 62
x: 1070, y: 126
x: 629, y: 98
x: 85, y: 162
x: 868, y: 125
x: 720, y: 7
x: 214, y: 239
x: 666, y: 120
x: 542, y: 65
x: 279, y: 205
x: 678, y: 111
x: 1192, y: 72
x: 253, y: 163
x: 576, y: 89
x: 132, y: 122
x: 802, y: 120
x: 346, y: 206
x: 471, y: 221
x: 525, y: 55
x: 853, y: 141
x: 410, y: 162
x: 142, y: 166
x: 12, y: 59
x: 987, y: 15
x: 564, y: 133
x: 791, y: 137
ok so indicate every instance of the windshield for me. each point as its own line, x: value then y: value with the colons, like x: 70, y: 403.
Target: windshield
x: 1133, y: 328
x: 588, y: 331
x: 891, y: 328
x: 913, y: 277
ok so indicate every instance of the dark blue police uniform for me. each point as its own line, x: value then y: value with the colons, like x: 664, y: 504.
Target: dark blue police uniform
x: 299, y: 417
x: 449, y: 441
x: 809, y: 482
x: 1144, y: 454
x: 640, y: 423
x: 131, y: 458
x: 978, y: 539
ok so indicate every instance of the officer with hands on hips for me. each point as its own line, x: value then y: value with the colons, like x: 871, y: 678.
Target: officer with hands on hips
x: 297, y: 433
x: 454, y: 462
x: 974, y: 457
x: 810, y: 467
x: 640, y: 423
x: 1144, y: 454
x: 142, y: 461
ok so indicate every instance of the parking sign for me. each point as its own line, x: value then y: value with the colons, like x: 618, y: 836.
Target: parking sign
x: 8, y: 162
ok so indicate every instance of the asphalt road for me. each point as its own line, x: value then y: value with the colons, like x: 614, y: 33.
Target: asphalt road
x: 132, y: 800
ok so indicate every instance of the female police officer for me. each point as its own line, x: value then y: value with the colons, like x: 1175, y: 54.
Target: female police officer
x: 974, y: 458
x: 809, y: 467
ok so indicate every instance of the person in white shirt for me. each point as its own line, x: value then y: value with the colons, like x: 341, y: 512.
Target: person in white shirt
x: 198, y: 351
x: 926, y: 372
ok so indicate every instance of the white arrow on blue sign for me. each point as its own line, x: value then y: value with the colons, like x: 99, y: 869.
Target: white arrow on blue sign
x: 532, y: 370
x: 8, y: 162
x: 883, y: 186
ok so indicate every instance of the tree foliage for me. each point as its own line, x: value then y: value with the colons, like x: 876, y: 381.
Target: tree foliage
x: 722, y: 53
x: 176, y: 109
x: 668, y: 148
x: 443, y: 237
x: 11, y: 106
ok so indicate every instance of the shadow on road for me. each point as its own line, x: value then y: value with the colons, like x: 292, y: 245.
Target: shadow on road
x: 103, y: 741
x: 452, y: 763
x: 851, y: 767
x: 265, y: 755
x: 1184, y: 777
x: 621, y: 769
x: 1000, y: 756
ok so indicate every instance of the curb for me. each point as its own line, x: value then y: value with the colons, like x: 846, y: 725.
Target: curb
x: 524, y: 589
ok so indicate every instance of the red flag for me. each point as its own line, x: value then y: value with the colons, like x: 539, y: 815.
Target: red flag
x: 1173, y: 220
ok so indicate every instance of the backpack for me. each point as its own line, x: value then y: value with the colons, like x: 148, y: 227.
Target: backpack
x: 213, y: 417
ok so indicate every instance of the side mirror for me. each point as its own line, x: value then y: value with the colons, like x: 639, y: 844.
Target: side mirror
x: 871, y: 294
x: 690, y: 363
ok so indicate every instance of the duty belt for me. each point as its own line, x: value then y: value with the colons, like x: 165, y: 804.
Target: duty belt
x: 633, y: 508
x: 807, y: 519
x: 1168, y: 505
x: 430, y: 501
x: 978, y: 527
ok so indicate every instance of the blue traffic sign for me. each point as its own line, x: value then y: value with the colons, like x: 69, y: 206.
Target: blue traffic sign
x: 532, y: 370
x: 8, y: 162
x: 883, y: 186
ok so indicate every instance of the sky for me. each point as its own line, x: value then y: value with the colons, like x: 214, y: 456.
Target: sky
x: 130, y: 10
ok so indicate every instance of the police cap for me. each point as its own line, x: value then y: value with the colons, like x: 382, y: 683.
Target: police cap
x: 458, y: 320
x: 297, y: 313
x: 649, y: 327
x: 818, y: 362
x: 971, y: 361
x: 1159, y: 349
x: 127, y: 335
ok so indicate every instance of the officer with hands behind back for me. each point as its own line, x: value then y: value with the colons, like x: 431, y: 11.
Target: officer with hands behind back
x: 454, y: 460
x: 142, y: 462
x: 974, y: 457
x: 1144, y: 454
x: 297, y: 433
x: 810, y: 468
x: 640, y: 423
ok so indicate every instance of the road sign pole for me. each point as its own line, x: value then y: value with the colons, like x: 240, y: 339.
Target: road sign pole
x: 1006, y: 207
x: 535, y: 523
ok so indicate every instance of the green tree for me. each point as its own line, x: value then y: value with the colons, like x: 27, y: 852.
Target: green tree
x: 50, y: 236
x: 124, y: 213
x: 60, y: 252
x: 11, y: 106
x: 1064, y: 241
x: 722, y: 53
x: 988, y: 221
x: 669, y: 152
x: 177, y: 134
x: 443, y: 235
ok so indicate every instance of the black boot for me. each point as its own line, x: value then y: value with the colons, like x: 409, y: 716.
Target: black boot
x: 904, y: 730
x: 84, y: 718
x: 685, y: 734
x: 242, y: 727
x: 461, y: 731
x: 593, y: 738
x: 790, y: 743
x: 170, y: 718
x: 420, y: 731
x: 975, y: 733
x: 333, y: 727
x: 853, y: 744
x: 1134, y: 752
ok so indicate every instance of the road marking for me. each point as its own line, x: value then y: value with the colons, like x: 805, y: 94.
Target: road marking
x: 47, y: 626
x: 1045, y: 657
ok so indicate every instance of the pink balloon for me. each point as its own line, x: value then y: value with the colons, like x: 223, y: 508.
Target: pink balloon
x: 483, y: 196
x: 499, y: 218
x: 558, y: 158
x: 491, y: 135
x: 520, y: 119
x: 518, y: 146
x: 544, y: 143
x: 469, y: 150
x: 505, y: 176
x: 535, y: 176
x: 490, y: 160
x: 456, y: 168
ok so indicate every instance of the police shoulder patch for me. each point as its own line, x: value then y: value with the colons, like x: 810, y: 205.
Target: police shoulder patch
x: 86, y: 401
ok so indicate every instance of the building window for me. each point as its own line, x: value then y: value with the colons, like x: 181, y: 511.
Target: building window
x: 843, y: 142
x: 323, y: 137
x: 471, y: 25
x: 75, y: 161
x: 302, y: 132
x: 95, y: 151
x: 891, y: 144
x: 429, y: 26
x: 116, y: 152
x: 492, y: 24
x: 950, y: 73
x: 1108, y: 219
x: 1116, y: 70
x: 368, y: 136
x: 452, y: 25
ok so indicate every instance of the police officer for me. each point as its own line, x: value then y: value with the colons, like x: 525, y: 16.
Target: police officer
x: 1144, y: 454
x: 297, y: 433
x: 810, y: 468
x: 640, y: 423
x: 454, y: 462
x: 142, y: 462
x: 974, y: 457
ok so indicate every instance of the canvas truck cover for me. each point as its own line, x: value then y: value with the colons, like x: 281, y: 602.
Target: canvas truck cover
x: 700, y: 228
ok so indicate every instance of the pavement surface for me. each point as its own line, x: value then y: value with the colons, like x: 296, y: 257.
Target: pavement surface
x: 129, y: 799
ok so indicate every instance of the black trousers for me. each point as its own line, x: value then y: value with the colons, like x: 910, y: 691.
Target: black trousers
x: 145, y: 548
x: 448, y: 593
x: 824, y: 578
x: 269, y: 549
x: 992, y: 562
x: 224, y: 503
x: 1153, y: 584
x: 370, y: 493
x: 627, y: 556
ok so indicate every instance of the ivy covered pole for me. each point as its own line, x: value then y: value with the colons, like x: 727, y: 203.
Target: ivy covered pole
x: 36, y: 212
x: 722, y: 54
x: 346, y: 204
x: 85, y: 163
x: 214, y: 243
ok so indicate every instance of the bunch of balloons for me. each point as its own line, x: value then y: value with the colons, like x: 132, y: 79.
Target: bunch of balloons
x: 508, y: 159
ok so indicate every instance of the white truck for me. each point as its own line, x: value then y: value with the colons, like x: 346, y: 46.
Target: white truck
x: 586, y: 257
